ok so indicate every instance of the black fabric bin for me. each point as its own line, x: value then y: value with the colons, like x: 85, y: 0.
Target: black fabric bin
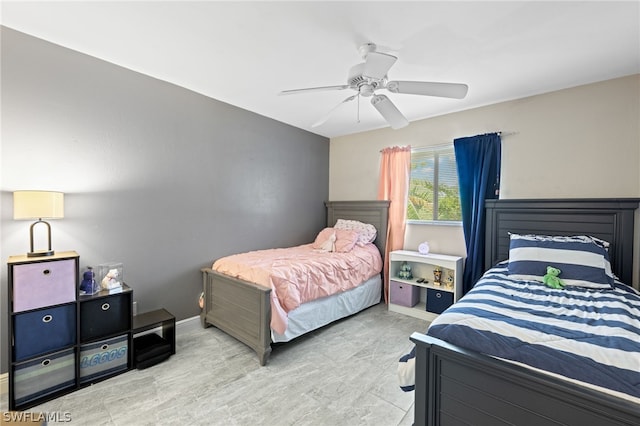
x: 150, y: 349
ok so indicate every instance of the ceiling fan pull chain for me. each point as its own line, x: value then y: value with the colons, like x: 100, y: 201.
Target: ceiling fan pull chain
x: 358, y: 113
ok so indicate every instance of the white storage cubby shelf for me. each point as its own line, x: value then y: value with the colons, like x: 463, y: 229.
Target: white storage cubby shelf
x: 423, y: 300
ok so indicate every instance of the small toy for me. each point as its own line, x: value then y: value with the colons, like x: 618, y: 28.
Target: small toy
x: 109, y: 282
x: 89, y: 284
x: 405, y: 271
x: 437, y: 276
x: 551, y: 278
x: 448, y: 281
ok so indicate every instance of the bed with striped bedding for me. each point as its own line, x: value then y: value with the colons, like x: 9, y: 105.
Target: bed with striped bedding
x: 456, y: 384
x: 588, y: 335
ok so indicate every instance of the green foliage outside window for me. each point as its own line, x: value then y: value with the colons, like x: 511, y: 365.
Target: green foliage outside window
x: 433, y: 187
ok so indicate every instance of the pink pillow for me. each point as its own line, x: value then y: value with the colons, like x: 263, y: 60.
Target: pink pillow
x: 345, y: 240
x: 322, y: 237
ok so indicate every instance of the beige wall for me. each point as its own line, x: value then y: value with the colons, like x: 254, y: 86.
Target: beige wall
x: 582, y: 142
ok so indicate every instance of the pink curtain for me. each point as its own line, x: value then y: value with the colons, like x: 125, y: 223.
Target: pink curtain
x: 395, y: 167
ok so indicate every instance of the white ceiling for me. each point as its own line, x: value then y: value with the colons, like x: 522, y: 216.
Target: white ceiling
x: 244, y: 53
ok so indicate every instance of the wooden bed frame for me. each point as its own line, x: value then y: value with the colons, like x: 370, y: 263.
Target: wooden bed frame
x: 243, y: 310
x: 457, y: 386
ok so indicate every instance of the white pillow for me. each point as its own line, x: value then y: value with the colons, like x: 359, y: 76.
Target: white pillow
x: 366, y: 232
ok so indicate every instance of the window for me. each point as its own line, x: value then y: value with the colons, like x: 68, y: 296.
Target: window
x: 433, y: 186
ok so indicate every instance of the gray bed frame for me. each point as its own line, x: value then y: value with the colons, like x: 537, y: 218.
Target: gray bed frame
x: 455, y: 386
x: 242, y: 309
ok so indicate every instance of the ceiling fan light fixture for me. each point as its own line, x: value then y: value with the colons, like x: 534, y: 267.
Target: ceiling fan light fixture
x: 367, y: 90
x: 388, y: 110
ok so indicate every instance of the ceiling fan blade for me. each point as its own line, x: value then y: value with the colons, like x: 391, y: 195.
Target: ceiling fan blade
x: 444, y: 90
x: 388, y: 110
x: 327, y: 115
x: 313, y: 89
x: 378, y: 64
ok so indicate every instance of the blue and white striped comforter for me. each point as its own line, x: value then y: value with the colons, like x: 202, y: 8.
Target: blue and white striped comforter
x: 590, y: 336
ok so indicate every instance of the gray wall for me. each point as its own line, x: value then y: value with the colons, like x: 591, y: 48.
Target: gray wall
x: 155, y: 176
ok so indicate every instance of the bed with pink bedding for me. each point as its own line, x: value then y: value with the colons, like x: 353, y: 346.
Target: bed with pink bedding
x: 301, y: 274
x: 253, y: 296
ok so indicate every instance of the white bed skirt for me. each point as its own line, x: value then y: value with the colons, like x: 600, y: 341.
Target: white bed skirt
x: 318, y: 313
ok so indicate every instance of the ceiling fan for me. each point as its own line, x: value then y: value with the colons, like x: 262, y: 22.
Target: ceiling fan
x: 371, y: 75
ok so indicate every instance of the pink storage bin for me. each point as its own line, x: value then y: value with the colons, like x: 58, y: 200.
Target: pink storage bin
x: 40, y: 284
x: 404, y: 294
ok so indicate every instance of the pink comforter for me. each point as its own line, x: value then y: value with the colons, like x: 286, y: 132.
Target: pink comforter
x: 300, y: 274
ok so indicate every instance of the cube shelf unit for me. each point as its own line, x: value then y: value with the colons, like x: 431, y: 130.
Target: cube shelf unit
x: 431, y: 299
x: 59, y: 340
x: 150, y: 352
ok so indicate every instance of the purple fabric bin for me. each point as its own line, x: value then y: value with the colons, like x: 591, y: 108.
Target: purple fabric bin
x: 404, y: 294
x: 36, y: 285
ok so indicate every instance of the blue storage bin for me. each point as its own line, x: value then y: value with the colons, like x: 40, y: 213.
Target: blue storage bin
x: 44, y: 330
x: 438, y: 300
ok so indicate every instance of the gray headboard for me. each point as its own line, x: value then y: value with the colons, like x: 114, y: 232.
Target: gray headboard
x: 374, y: 212
x: 608, y: 219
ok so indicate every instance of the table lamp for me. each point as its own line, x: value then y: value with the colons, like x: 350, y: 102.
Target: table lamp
x: 38, y: 205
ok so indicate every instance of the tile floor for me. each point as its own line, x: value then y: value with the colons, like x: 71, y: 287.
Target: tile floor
x: 342, y: 374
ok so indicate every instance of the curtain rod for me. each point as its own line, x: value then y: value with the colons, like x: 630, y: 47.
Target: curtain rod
x: 500, y: 132
x: 447, y: 144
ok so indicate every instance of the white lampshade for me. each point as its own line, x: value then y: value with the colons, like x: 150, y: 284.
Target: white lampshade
x: 38, y: 205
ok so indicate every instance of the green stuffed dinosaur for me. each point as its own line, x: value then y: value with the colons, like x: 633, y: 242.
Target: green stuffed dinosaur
x: 551, y: 278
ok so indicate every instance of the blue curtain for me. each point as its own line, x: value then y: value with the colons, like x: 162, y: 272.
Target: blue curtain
x: 478, y: 162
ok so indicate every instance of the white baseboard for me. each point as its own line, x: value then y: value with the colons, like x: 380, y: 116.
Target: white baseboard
x: 183, y: 326
x: 188, y: 324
